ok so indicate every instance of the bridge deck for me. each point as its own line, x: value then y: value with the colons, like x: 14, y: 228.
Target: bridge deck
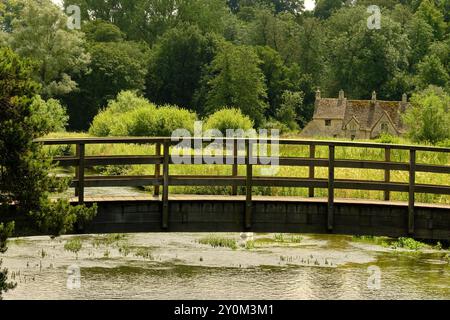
x: 200, y: 198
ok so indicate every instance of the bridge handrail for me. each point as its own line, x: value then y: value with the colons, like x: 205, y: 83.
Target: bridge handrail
x: 282, y: 141
x: 80, y: 160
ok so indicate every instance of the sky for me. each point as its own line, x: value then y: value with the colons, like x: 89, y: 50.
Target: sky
x: 309, y: 4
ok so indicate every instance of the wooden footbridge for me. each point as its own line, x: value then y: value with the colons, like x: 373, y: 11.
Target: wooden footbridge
x: 245, y: 212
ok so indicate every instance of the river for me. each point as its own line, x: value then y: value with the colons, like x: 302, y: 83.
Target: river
x: 179, y: 266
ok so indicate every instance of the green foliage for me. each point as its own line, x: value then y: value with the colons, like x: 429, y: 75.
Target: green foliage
x: 131, y: 115
x: 25, y: 180
x: 115, y: 66
x: 73, y: 245
x: 176, y: 64
x: 362, y: 60
x: 287, y: 114
x: 216, y: 241
x: 407, y: 243
x: 238, y: 82
x: 431, y: 71
x: 101, y: 31
x: 5, y: 232
x: 428, y: 119
x: 39, y: 32
x: 50, y: 114
x: 228, y: 118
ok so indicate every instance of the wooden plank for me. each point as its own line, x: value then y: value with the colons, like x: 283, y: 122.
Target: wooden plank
x: 165, y: 198
x: 80, y: 175
x: 152, y: 140
x: 387, y: 172
x: 331, y: 157
x: 234, y: 190
x: 411, y: 194
x: 312, y: 155
x: 157, y: 169
x: 248, y: 186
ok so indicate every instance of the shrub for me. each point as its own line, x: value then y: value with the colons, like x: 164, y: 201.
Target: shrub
x: 131, y: 115
x: 228, y: 118
x: 428, y: 119
x: 170, y: 118
x: 50, y: 115
x: 127, y: 101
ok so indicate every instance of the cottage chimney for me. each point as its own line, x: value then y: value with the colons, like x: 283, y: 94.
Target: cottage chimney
x: 341, y: 95
x: 318, y: 97
x: 374, y: 96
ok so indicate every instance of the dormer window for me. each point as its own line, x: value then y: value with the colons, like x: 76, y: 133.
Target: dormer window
x: 328, y: 123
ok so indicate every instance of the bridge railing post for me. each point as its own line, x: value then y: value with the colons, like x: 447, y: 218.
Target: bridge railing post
x: 165, y: 197
x: 387, y: 172
x: 412, y: 184
x: 312, y: 155
x: 248, y: 184
x: 157, y: 168
x: 79, y: 190
x: 235, y: 166
x: 331, y: 164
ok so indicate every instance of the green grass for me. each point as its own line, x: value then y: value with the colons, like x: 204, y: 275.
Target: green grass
x: 144, y: 253
x: 108, y: 240
x: 284, y: 171
x: 73, y: 245
x: 284, y: 238
x: 407, y: 243
x: 217, y: 241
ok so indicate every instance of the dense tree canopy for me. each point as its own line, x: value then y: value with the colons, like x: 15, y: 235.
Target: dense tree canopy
x: 204, y: 55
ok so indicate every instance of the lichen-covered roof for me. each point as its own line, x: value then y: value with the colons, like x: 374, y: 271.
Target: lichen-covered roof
x: 329, y: 109
x: 366, y: 112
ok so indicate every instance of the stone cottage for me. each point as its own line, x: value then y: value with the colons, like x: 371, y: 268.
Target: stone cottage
x: 355, y: 119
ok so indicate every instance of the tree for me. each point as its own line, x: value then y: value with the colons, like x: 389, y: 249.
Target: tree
x: 325, y: 8
x: 361, y: 60
x: 288, y: 112
x: 274, y: 74
x: 431, y: 71
x: 176, y: 64
x: 435, y: 18
x: 428, y: 119
x: 237, y: 81
x: 5, y: 232
x: 25, y: 182
x: 419, y: 31
x: 115, y: 66
x: 40, y: 32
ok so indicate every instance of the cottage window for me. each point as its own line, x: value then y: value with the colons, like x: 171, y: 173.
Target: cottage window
x: 384, y: 127
x: 328, y: 123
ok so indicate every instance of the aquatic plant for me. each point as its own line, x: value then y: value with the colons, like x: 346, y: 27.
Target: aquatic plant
x: 144, y: 253
x: 216, y: 241
x: 407, y: 243
x: 73, y: 245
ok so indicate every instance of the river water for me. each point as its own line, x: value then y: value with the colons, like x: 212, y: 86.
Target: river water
x: 178, y: 266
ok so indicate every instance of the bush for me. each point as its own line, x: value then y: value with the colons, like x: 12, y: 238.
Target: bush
x: 49, y: 115
x: 428, y: 119
x: 131, y: 115
x: 228, y: 118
